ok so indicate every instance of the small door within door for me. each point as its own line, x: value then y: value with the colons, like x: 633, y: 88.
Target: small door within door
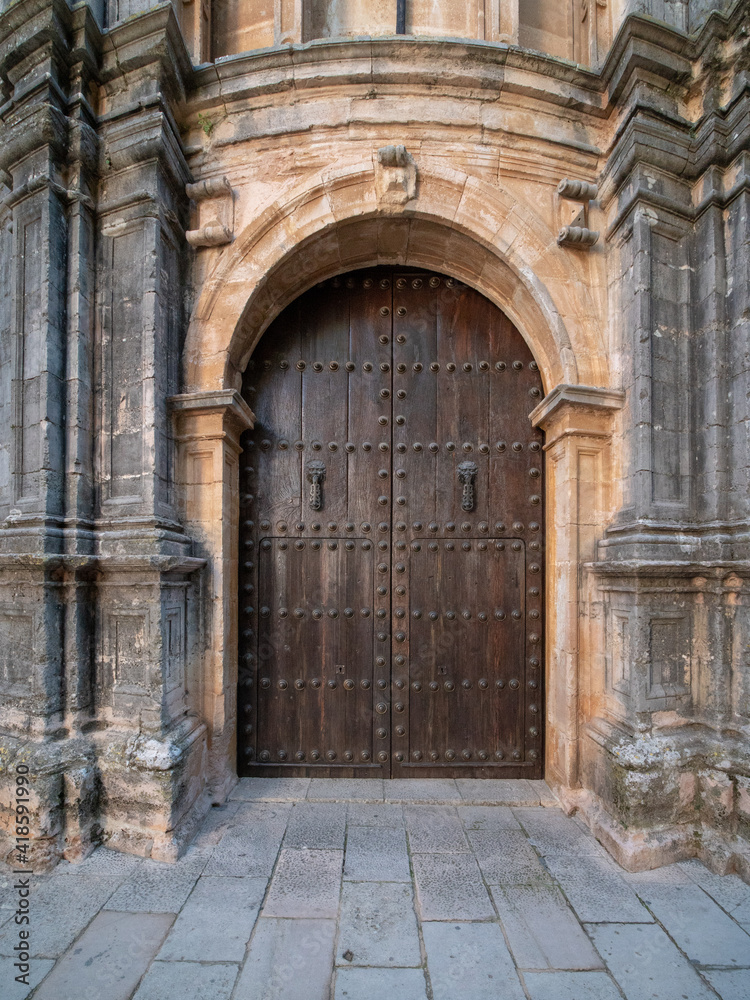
x: 391, y: 584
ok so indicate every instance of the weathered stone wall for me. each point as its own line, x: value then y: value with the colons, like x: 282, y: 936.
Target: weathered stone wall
x: 157, y: 215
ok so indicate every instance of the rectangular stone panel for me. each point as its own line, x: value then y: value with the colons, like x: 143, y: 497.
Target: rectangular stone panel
x: 29, y: 360
x: 16, y: 654
x: 669, y: 399
x: 669, y: 662
x: 122, y: 367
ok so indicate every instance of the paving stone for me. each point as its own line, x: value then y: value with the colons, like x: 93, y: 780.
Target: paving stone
x: 552, y: 832
x: 217, y: 920
x: 367, y: 984
x: 487, y: 818
x: 377, y: 925
x: 698, y: 925
x: 316, y: 825
x: 18, y: 991
x: 595, y: 890
x: 422, y: 790
x: 59, y: 912
x: 251, y: 816
x: 542, y: 931
x: 305, y: 884
x: 571, y: 986
x: 270, y: 789
x: 101, y: 862
x: 345, y: 790
x: 109, y: 959
x: 668, y: 875
x: 9, y: 898
x: 646, y: 963
x: 507, y: 858
x: 435, y: 829
x: 730, y: 984
x: 388, y: 814
x: 216, y: 824
x: 729, y: 891
x: 179, y: 980
x: 160, y: 887
x: 250, y: 846
x: 376, y: 854
x: 471, y: 961
x: 450, y: 887
x: 497, y: 791
x: 288, y: 960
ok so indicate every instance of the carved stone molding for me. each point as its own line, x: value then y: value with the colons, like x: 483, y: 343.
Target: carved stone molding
x: 395, y: 176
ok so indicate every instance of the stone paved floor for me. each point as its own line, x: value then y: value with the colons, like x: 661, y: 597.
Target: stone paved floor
x: 357, y: 890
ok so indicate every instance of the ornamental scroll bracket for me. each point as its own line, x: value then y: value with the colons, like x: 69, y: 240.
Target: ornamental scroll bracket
x: 577, y: 234
x: 467, y: 474
x: 214, y: 199
x: 316, y: 474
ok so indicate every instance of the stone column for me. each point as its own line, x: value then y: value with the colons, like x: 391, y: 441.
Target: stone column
x: 208, y: 426
x: 34, y: 54
x: 578, y: 422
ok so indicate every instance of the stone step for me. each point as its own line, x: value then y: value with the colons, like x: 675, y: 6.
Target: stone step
x: 417, y: 791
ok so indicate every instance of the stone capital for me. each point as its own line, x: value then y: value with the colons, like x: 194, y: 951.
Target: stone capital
x: 580, y: 410
x: 211, y: 414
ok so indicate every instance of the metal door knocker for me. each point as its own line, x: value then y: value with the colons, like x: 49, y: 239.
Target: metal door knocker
x: 316, y: 473
x: 467, y: 473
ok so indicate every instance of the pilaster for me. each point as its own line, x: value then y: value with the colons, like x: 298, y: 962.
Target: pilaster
x: 208, y: 428
x: 578, y: 422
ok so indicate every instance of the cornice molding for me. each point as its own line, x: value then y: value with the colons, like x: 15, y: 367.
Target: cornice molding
x: 588, y: 396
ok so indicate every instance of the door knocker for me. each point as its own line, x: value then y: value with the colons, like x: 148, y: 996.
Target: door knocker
x: 316, y: 473
x: 467, y: 473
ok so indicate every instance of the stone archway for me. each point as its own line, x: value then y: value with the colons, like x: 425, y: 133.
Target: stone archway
x: 461, y: 227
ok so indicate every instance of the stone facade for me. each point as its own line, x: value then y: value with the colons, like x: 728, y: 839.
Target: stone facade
x: 173, y: 175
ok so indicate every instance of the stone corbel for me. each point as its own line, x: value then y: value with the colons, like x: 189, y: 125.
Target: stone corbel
x: 395, y: 176
x: 218, y: 228
x: 577, y: 235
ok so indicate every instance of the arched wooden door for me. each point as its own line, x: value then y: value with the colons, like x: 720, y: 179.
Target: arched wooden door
x: 392, y: 537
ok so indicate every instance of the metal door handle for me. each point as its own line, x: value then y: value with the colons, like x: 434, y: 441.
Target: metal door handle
x: 467, y: 473
x: 316, y: 473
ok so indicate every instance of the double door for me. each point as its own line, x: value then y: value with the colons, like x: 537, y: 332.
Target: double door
x: 391, y: 537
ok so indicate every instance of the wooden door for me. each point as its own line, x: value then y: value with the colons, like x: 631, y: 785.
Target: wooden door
x: 392, y: 537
